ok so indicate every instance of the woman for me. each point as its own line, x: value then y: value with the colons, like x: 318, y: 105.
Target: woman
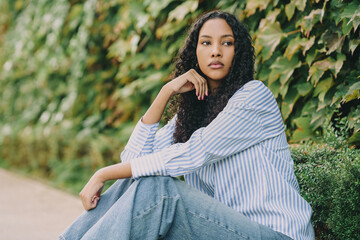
x: 227, y: 139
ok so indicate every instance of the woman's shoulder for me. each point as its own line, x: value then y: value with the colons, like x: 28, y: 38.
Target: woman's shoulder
x: 253, y: 90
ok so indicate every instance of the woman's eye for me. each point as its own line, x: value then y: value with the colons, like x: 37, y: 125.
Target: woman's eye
x: 205, y: 43
x: 228, y: 43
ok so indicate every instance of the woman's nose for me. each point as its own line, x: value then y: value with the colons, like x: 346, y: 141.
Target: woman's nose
x: 216, y: 51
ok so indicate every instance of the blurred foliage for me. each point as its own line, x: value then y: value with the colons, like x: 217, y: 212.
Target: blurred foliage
x: 94, y: 66
x: 329, y: 176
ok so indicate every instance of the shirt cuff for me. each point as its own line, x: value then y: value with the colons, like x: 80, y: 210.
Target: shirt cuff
x: 147, y: 165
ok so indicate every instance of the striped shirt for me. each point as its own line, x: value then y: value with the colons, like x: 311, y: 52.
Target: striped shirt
x: 241, y: 158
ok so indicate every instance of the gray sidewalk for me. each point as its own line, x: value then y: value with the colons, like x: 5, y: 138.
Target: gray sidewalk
x: 32, y: 210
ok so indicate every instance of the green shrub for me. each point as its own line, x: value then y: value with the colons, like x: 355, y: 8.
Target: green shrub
x: 329, y: 178
x: 66, y: 158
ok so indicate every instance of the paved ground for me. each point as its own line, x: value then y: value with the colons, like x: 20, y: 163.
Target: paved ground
x: 32, y: 210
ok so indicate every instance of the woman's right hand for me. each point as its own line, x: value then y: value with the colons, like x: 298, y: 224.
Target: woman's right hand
x: 189, y: 81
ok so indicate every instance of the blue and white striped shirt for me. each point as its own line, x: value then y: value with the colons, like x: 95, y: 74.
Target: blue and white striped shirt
x: 241, y: 158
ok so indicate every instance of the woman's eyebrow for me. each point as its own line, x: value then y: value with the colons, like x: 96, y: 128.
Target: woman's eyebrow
x: 223, y: 36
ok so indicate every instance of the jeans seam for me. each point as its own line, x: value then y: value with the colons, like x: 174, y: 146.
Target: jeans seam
x: 219, y: 224
x: 149, y: 209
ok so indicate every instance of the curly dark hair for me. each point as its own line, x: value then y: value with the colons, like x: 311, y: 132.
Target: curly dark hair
x: 193, y: 114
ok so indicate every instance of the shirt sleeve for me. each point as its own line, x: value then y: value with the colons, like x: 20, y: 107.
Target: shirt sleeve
x: 146, y: 138
x: 251, y: 116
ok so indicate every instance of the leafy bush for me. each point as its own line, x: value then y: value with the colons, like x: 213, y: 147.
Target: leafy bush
x: 329, y: 178
x: 67, y: 159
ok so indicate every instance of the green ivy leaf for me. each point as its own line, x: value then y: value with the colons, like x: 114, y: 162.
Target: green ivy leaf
x: 309, y: 21
x: 353, y: 44
x: 300, y: 4
x: 275, y: 88
x: 354, y: 119
x: 298, y: 43
x: 332, y: 41
x: 182, y: 10
x: 355, y: 138
x: 154, y: 7
x: 303, y: 131
x: 346, y: 27
x: 253, y: 5
x: 318, y: 68
x: 351, y: 12
x: 289, y: 101
x: 318, y: 118
x: 269, y: 38
x: 322, y: 88
x: 283, y: 69
x: 304, y: 88
x: 290, y: 10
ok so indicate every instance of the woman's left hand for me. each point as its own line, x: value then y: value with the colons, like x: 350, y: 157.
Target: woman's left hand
x: 90, y: 194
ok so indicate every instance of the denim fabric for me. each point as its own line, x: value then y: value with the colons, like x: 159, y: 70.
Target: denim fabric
x: 163, y: 208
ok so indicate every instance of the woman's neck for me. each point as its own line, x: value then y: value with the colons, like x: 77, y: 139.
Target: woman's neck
x: 213, y: 84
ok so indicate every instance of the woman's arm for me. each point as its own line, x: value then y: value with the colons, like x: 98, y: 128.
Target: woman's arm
x: 251, y: 116
x: 145, y: 136
x: 187, y: 82
x: 90, y: 195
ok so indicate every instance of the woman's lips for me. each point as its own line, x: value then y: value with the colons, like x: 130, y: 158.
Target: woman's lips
x: 216, y: 65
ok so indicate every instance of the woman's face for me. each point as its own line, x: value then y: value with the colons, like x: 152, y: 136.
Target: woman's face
x: 215, y: 50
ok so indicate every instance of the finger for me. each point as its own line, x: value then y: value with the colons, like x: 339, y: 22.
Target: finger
x: 202, y: 84
x: 194, y: 81
x: 205, y: 85
x: 94, y: 202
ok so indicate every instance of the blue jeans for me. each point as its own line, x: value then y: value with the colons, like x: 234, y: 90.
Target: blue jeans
x: 163, y: 208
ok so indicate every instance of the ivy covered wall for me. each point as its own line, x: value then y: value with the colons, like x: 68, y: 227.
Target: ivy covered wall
x: 95, y: 66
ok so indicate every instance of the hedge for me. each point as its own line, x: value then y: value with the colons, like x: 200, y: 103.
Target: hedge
x: 329, y: 178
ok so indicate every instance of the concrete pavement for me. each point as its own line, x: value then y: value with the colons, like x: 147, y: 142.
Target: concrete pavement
x: 33, y: 210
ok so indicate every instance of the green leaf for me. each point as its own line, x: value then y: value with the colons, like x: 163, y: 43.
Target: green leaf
x: 269, y: 38
x: 355, y: 138
x: 289, y: 10
x: 283, y: 69
x: 318, y: 68
x: 304, y: 88
x: 253, y: 5
x: 353, y: 44
x: 332, y: 41
x: 310, y: 56
x: 318, y: 118
x: 298, y: 43
x: 300, y: 4
x: 351, y: 12
x: 155, y: 6
x: 303, y: 131
x: 322, y: 88
x: 354, y: 119
x: 271, y: 16
x: 275, y: 88
x: 346, y: 27
x: 309, y: 21
x: 182, y: 10
x: 289, y: 101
